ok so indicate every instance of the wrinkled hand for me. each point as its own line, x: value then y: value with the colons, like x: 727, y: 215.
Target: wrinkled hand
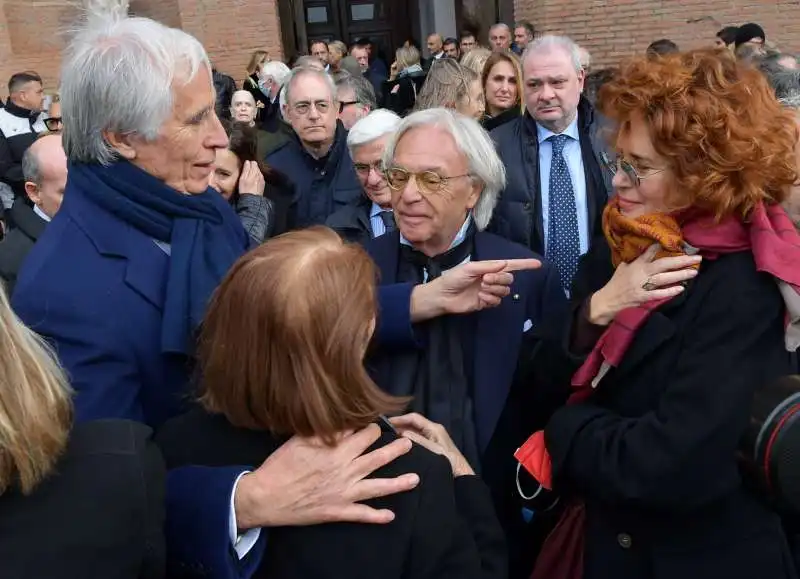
x: 306, y: 482
x: 644, y: 280
x: 251, y: 180
x: 435, y: 438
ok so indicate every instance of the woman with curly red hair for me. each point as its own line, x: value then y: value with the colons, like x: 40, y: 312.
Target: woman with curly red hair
x: 677, y: 321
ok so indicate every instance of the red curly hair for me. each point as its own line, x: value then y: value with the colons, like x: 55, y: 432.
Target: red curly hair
x: 728, y: 141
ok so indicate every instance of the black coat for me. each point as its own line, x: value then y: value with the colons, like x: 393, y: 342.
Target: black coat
x: 443, y: 529
x: 100, y: 516
x: 653, y: 452
x: 518, y: 215
x: 400, y: 95
x: 18, y: 241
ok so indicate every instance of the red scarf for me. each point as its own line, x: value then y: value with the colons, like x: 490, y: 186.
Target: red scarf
x: 769, y: 235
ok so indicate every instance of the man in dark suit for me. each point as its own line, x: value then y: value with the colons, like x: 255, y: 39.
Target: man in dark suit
x: 445, y: 177
x: 372, y: 215
x: 44, y: 166
x: 553, y: 201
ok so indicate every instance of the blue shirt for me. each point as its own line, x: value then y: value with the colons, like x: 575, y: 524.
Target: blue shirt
x: 375, y: 221
x: 574, y: 158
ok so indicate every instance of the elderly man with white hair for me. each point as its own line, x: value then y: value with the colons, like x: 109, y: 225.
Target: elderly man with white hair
x: 272, y: 77
x: 445, y: 177
x: 371, y: 216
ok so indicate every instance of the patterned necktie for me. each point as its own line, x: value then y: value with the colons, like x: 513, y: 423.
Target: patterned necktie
x: 563, y: 242
x: 388, y: 221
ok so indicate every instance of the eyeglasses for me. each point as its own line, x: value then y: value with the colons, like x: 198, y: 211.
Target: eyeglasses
x: 427, y: 181
x: 364, y: 169
x: 343, y: 104
x: 630, y: 171
x: 53, y: 123
x: 303, y: 108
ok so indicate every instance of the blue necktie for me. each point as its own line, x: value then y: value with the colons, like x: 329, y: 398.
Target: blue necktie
x: 563, y: 242
x: 388, y: 221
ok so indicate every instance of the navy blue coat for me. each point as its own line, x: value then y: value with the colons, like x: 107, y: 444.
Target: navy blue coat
x: 507, y: 409
x: 94, y: 287
x: 320, y: 188
x: 518, y: 215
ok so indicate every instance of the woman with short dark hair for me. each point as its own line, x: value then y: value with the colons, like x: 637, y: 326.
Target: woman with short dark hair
x: 281, y: 354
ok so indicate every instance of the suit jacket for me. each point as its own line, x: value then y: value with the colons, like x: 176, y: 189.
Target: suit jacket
x: 99, y: 515
x: 506, y: 337
x: 19, y: 241
x: 443, y: 528
x: 653, y: 452
x: 352, y: 222
x: 518, y: 215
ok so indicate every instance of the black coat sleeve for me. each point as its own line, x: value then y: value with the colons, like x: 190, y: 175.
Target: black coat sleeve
x: 153, y: 479
x: 680, y: 455
x: 10, y: 170
x: 456, y: 533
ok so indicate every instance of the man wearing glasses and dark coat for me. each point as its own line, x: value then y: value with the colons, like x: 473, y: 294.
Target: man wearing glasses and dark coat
x: 316, y: 159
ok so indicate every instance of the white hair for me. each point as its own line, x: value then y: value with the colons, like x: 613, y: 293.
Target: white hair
x: 301, y: 71
x: 372, y: 127
x: 546, y: 44
x: 277, y: 71
x: 500, y: 25
x: 245, y: 93
x: 118, y: 76
x: 473, y: 142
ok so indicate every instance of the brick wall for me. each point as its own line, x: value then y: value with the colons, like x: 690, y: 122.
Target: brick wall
x: 31, y: 36
x: 613, y: 29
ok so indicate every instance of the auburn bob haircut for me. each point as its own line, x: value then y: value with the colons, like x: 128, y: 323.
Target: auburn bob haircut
x: 729, y: 142
x: 282, y: 345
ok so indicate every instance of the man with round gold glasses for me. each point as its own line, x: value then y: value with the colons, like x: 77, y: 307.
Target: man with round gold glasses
x: 444, y: 176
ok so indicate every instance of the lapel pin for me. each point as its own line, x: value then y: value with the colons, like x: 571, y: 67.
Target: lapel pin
x: 515, y: 297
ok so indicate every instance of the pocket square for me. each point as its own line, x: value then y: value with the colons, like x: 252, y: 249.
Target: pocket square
x: 527, y: 326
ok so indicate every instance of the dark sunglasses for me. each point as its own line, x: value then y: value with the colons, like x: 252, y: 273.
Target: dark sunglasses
x: 343, y: 104
x: 53, y: 123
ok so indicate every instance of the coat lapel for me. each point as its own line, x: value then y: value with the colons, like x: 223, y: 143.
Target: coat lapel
x: 146, y: 262
x: 497, y: 340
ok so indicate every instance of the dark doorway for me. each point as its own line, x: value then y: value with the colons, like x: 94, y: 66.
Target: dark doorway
x: 387, y: 23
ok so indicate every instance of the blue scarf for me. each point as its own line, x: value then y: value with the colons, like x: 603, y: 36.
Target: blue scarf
x: 204, y: 234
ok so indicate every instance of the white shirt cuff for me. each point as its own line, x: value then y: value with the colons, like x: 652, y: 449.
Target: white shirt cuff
x: 243, y: 543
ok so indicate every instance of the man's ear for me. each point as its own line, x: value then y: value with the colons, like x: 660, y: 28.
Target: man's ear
x: 122, y: 144
x: 32, y: 191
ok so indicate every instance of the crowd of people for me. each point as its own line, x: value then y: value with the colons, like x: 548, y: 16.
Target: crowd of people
x: 490, y: 314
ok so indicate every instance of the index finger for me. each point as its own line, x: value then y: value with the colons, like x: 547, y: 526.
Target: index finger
x: 522, y: 264
x: 356, y: 444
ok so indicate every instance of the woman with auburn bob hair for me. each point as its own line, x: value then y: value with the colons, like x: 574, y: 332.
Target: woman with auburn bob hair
x: 281, y: 354
x: 677, y: 321
x: 77, y: 501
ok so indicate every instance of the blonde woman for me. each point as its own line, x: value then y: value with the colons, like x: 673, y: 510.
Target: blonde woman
x: 452, y: 86
x: 502, y: 86
x: 476, y: 59
x: 406, y: 78
x: 337, y: 50
x: 77, y: 501
x: 254, y: 83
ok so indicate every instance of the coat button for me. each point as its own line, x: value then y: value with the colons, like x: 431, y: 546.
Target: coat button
x: 624, y: 540
x: 527, y: 206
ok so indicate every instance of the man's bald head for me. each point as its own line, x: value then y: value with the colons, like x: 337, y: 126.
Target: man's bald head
x: 243, y: 107
x: 44, y: 166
